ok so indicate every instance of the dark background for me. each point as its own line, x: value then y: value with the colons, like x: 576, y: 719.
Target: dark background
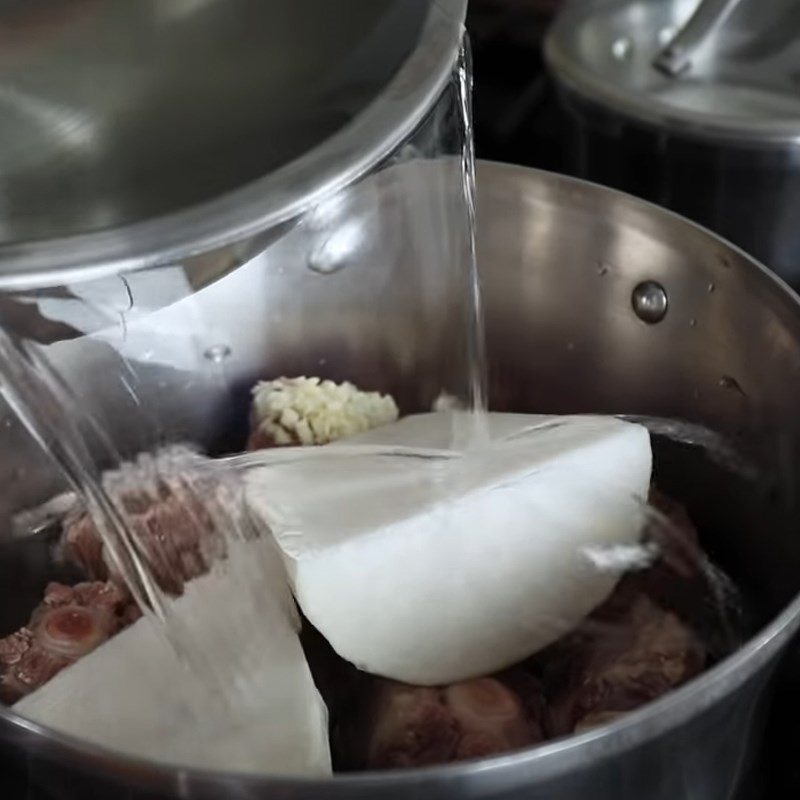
x: 516, y: 114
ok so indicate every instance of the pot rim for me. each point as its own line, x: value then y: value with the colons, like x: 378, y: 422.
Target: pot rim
x: 541, y: 762
x: 267, y: 201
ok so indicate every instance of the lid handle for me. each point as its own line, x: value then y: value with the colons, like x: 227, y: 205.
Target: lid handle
x: 677, y: 56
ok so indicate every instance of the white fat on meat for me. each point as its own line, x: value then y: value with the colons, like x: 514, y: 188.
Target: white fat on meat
x: 436, y: 570
x: 134, y: 696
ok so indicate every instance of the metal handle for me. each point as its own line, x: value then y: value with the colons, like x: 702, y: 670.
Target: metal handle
x: 676, y: 57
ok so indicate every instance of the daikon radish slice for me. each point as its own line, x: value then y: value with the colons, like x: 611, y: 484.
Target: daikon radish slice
x: 431, y: 571
x: 135, y: 696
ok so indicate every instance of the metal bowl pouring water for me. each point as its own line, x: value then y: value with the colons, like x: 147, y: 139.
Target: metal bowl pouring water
x: 569, y: 329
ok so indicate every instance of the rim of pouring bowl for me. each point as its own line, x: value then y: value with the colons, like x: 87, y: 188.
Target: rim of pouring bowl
x: 540, y: 762
x: 267, y: 202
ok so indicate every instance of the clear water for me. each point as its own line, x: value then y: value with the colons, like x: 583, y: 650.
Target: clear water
x: 54, y: 418
x: 57, y: 420
x: 476, y: 337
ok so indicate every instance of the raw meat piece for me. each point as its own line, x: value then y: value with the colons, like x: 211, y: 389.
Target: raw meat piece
x: 81, y: 545
x: 70, y: 622
x: 643, y: 641
x: 684, y: 582
x: 491, y: 719
x: 168, y: 508
x: 618, y: 660
x: 413, y: 726
x: 678, y: 544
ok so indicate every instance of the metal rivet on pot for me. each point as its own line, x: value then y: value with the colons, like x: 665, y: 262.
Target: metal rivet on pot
x: 337, y: 250
x: 324, y: 263
x: 650, y: 302
x: 217, y: 353
x: 622, y: 48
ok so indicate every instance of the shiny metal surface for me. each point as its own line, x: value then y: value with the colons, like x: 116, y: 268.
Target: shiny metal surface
x: 139, y: 132
x: 663, y: 138
x: 749, y: 194
x: 741, y: 85
x: 650, y: 302
x: 561, y: 259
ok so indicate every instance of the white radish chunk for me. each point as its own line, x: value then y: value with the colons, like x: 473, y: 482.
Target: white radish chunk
x: 134, y: 695
x: 432, y: 571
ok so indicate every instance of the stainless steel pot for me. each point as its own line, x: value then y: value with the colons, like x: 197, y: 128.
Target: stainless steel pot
x: 718, y: 140
x: 561, y: 261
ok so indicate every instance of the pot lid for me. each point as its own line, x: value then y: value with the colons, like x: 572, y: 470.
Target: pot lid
x: 743, y: 80
x: 134, y: 132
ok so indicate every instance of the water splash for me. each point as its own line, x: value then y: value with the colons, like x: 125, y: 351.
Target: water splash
x: 218, y: 679
x: 45, y: 406
x: 717, y: 447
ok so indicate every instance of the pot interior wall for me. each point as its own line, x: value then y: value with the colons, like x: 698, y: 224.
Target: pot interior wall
x: 559, y: 262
